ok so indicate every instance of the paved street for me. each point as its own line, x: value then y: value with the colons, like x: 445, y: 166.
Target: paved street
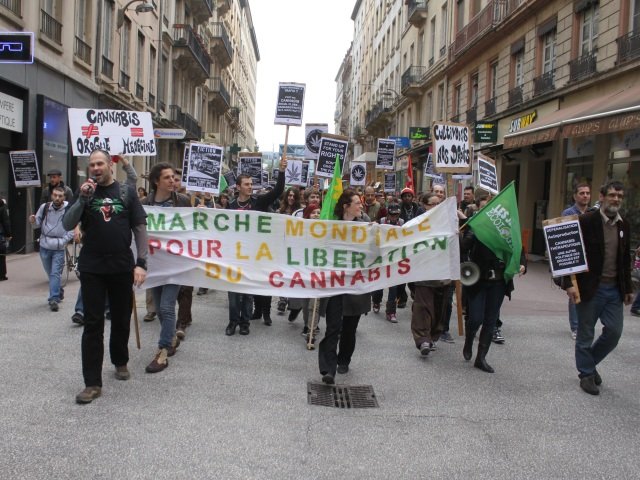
x: 236, y: 407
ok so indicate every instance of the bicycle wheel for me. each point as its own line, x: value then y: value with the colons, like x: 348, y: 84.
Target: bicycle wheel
x: 64, y: 277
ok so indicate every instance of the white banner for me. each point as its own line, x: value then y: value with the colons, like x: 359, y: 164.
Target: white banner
x: 279, y: 255
x: 119, y: 132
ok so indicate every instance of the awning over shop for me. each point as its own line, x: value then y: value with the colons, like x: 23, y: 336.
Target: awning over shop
x: 619, y: 111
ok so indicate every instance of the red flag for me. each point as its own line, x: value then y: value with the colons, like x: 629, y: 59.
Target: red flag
x: 410, y: 183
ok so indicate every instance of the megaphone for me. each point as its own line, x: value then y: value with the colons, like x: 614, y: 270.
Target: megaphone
x: 469, y: 273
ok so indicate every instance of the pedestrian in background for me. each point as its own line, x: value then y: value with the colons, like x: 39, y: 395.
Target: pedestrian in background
x: 5, y: 237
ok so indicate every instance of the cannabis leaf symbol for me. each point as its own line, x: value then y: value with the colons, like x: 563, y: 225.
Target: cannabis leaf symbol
x: 293, y: 174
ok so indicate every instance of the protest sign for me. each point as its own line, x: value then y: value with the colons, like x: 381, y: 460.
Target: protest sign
x: 429, y: 170
x: 385, y: 153
x: 205, y: 165
x: 487, y: 174
x: 452, y: 148
x: 565, y: 246
x: 280, y: 255
x: 230, y: 178
x: 185, y: 165
x: 25, y: 168
x: 250, y: 163
x: 313, y: 134
x: 290, y: 104
x: 358, y: 174
x: 265, y: 178
x: 330, y: 146
x: 119, y: 132
x: 296, y: 173
x: 390, y: 182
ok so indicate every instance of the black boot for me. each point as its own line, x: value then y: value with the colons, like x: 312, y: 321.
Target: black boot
x: 484, y: 342
x: 257, y: 308
x: 467, y: 350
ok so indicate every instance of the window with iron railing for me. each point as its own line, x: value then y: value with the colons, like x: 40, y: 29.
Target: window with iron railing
x: 14, y: 5
x: 50, y: 27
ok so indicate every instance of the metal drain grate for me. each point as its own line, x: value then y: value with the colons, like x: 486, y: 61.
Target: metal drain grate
x: 341, y: 396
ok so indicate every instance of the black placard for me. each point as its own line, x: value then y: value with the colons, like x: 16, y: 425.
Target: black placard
x: 251, y: 166
x: 25, y: 168
x: 390, y: 182
x: 290, y: 104
x: 385, y: 154
x: 565, y: 247
x: 487, y: 174
x: 329, y: 148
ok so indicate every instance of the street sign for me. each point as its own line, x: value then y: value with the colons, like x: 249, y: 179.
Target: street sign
x: 486, y: 132
x: 419, y: 133
x: 171, y: 133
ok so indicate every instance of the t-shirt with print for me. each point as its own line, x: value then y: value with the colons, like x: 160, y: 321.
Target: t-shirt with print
x: 106, y: 224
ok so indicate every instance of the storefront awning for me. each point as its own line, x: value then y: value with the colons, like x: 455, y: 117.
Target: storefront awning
x: 619, y: 111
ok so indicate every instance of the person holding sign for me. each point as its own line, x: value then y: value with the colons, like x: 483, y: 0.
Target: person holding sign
x: 602, y: 290
x: 110, y: 215
x: 240, y: 304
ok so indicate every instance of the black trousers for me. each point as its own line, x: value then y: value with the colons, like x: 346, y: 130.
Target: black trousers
x: 262, y: 304
x: 95, y: 288
x: 3, y: 258
x: 327, y: 350
x: 347, y: 338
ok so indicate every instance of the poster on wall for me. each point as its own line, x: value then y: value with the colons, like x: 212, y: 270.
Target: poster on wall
x: 290, y: 104
x: 205, y: 166
x: 385, y: 153
x: 452, y: 147
x: 313, y: 135
x: 119, y: 132
x: 251, y: 164
x: 25, y: 168
x: 330, y: 146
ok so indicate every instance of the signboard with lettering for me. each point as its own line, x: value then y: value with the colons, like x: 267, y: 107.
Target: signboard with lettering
x: 330, y: 146
x: 401, y: 142
x: 565, y: 246
x: 290, y: 104
x: 205, y: 165
x: 10, y: 113
x: 487, y: 174
x: 25, y: 168
x: 16, y: 47
x: 452, y: 147
x: 486, y: 132
x: 419, y: 133
x: 523, y: 121
x: 390, y: 182
x: 385, y: 153
x: 119, y: 132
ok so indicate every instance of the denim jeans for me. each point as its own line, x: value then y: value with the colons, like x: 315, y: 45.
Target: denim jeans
x: 606, y: 305
x: 240, y: 308
x: 164, y: 298
x: 53, y: 263
x: 573, y: 317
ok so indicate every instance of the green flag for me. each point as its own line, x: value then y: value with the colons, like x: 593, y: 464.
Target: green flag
x: 335, y: 190
x: 497, y: 226
x: 223, y: 183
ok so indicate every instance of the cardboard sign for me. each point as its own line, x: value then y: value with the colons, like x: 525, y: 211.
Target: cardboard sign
x: 296, y: 173
x: 185, y: 164
x: 565, y: 246
x: 330, y: 146
x: 487, y: 174
x: 290, y: 104
x: 205, y: 165
x: 251, y: 164
x: 119, y: 132
x: 390, y: 182
x: 452, y: 148
x: 430, y: 171
x: 385, y: 153
x: 25, y: 168
x: 358, y: 174
x: 313, y: 135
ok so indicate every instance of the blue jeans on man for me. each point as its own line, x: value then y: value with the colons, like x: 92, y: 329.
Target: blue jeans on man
x: 573, y: 317
x: 53, y: 263
x: 240, y: 308
x: 165, y: 298
x: 606, y: 305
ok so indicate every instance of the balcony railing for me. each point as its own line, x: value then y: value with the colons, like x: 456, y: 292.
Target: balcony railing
x: 455, y: 118
x: 124, y: 80
x: 139, y: 91
x: 544, y: 83
x: 515, y: 96
x: 417, y: 10
x: 185, y: 121
x: 216, y: 85
x: 490, y: 107
x: 628, y: 47
x: 82, y: 50
x: 14, y: 5
x: 358, y: 132
x: 412, y: 77
x: 472, y: 115
x: 151, y: 100
x: 50, y: 27
x: 162, y: 106
x: 221, y: 45
x: 107, y: 67
x: 184, y: 36
x: 377, y: 112
x: 582, y: 67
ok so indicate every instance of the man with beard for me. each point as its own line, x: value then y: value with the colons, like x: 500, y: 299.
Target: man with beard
x: 55, y: 180
x: 603, y: 289
x: 372, y: 207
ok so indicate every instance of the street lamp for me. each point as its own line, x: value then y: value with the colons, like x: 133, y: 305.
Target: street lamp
x: 144, y: 8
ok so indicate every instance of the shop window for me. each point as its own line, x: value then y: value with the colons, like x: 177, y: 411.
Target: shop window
x: 628, y: 172
x: 580, y: 170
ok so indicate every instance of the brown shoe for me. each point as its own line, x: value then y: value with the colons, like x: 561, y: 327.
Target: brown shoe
x: 180, y: 332
x: 88, y: 395
x: 122, y: 373
x: 150, y: 317
x: 159, y: 362
x: 171, y: 351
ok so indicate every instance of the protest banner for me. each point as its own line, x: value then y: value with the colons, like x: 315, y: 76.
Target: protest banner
x: 279, y: 255
x: 205, y: 165
x: 358, y: 174
x: 390, y: 182
x: 330, y: 146
x: 250, y: 163
x: 452, y: 148
x: 313, y: 134
x: 119, y: 132
x: 25, y: 168
x: 290, y: 104
x: 563, y: 237
x: 487, y: 174
x: 385, y: 154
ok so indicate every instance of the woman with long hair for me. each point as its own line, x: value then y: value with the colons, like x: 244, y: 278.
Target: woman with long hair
x: 343, y: 312
x: 290, y: 201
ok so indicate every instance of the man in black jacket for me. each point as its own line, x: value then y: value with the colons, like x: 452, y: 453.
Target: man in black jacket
x: 241, y: 304
x: 603, y: 289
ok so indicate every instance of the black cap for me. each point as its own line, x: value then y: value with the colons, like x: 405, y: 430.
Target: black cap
x: 393, y: 209
x: 54, y: 171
